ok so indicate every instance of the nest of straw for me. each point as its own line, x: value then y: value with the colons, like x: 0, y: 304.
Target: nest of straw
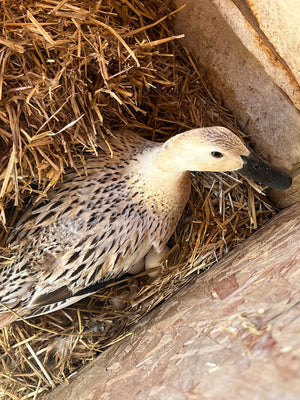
x: 71, y: 72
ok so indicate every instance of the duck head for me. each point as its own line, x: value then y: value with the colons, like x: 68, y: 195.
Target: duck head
x: 218, y: 149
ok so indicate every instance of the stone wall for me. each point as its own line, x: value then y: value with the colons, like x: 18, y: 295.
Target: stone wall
x: 251, y: 52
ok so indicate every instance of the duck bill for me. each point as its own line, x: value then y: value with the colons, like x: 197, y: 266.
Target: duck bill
x: 264, y: 173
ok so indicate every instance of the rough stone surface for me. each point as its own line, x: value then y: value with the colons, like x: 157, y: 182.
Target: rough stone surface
x: 283, y: 30
x: 270, y: 30
x: 245, y: 63
x: 231, y: 334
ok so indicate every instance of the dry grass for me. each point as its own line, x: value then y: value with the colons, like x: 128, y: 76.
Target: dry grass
x: 71, y: 72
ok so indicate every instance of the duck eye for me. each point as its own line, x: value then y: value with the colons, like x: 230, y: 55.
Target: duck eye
x: 216, y: 154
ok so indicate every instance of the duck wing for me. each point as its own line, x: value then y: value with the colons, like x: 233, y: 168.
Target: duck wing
x: 89, y: 233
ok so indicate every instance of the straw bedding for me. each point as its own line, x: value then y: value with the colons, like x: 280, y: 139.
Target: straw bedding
x: 72, y: 72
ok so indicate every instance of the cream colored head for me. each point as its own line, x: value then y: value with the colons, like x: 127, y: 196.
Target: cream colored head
x: 203, y: 149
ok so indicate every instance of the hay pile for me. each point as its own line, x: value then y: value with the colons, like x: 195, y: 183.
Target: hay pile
x: 72, y: 71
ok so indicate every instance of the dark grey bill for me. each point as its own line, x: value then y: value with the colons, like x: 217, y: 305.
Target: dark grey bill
x: 264, y: 173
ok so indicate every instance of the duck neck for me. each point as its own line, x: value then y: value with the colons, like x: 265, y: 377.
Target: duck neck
x: 165, y: 187
x: 158, y: 165
x: 175, y: 157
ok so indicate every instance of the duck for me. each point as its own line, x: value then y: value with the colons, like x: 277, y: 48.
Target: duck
x: 112, y: 215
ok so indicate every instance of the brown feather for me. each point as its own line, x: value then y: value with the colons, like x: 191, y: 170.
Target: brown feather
x: 7, y: 318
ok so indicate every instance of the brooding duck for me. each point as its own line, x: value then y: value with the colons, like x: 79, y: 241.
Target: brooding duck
x: 108, y: 217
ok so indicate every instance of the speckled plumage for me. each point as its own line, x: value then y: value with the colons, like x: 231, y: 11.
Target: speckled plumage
x: 92, y: 228
x: 106, y: 217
